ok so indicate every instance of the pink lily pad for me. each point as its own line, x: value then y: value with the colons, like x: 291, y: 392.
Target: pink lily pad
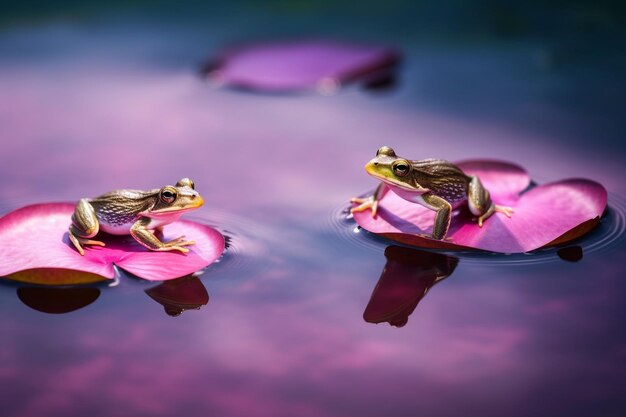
x: 546, y: 215
x: 300, y: 66
x: 34, y: 245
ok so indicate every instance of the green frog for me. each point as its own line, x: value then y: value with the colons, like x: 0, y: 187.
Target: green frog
x: 142, y: 214
x: 433, y: 183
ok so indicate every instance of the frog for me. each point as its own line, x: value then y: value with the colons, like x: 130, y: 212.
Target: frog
x: 140, y: 214
x: 436, y: 184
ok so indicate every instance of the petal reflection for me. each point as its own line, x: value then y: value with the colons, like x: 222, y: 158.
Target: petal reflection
x: 179, y: 295
x: 405, y: 280
x: 57, y: 300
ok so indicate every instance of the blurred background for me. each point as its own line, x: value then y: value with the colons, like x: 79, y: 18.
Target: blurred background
x: 96, y: 96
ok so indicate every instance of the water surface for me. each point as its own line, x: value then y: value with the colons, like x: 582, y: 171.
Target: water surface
x: 89, y: 107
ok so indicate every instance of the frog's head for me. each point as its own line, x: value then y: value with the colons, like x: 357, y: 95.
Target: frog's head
x: 387, y: 167
x: 179, y: 198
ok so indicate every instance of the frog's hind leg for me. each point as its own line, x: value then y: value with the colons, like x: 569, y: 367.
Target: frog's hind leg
x: 480, y: 204
x: 84, y: 226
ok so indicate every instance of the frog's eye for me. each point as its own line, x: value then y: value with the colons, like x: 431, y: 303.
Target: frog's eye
x: 401, y: 168
x: 168, y: 195
x: 386, y: 150
x: 185, y: 182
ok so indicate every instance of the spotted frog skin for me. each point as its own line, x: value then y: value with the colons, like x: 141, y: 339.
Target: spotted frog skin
x: 142, y: 214
x: 433, y: 183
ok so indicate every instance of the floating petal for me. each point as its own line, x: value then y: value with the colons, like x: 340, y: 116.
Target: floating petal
x: 300, y: 66
x: 546, y: 215
x: 35, y: 247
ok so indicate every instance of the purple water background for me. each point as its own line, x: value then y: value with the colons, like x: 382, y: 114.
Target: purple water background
x: 85, y: 109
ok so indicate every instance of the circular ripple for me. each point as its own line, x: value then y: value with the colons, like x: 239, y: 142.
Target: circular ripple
x: 244, y: 253
x: 607, y: 235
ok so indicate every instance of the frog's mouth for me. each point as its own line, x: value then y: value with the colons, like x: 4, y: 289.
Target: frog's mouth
x: 197, y: 202
x: 378, y: 172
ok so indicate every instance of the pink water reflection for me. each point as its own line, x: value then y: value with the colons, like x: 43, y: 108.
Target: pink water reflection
x: 304, y: 355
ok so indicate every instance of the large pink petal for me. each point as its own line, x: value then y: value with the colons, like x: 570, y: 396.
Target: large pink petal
x: 548, y: 214
x: 34, y: 238
x: 295, y: 66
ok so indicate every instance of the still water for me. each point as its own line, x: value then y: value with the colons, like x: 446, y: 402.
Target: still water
x: 285, y: 323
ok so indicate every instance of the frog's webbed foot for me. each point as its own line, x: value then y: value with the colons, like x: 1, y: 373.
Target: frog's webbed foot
x: 364, y: 204
x: 508, y: 211
x: 177, y: 244
x: 180, y: 241
x: 150, y: 240
x: 168, y: 248
x: 79, y: 242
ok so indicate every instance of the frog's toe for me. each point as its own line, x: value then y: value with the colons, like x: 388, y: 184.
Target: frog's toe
x: 170, y: 248
x: 79, y: 242
x: 358, y: 200
x: 366, y: 204
x: 76, y: 244
x: 182, y: 250
x: 507, y: 211
x: 177, y: 240
x: 92, y: 242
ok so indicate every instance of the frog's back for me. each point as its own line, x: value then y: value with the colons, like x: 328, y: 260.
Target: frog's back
x: 118, y: 210
x: 442, y: 178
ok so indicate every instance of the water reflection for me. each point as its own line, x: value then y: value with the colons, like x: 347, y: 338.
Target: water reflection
x: 382, y: 82
x: 57, y: 300
x: 176, y: 296
x: 179, y: 295
x: 405, y: 280
x: 570, y: 253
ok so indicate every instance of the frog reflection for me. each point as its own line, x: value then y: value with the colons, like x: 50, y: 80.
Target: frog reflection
x: 406, y: 278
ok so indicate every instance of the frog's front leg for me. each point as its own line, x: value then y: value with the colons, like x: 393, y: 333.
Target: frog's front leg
x: 147, y: 238
x: 370, y: 202
x: 480, y: 204
x: 443, y: 216
x: 84, y: 226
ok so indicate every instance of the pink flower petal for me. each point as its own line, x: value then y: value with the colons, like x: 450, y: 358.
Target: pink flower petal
x: 35, y: 237
x: 296, y: 66
x: 504, y: 180
x: 546, y: 215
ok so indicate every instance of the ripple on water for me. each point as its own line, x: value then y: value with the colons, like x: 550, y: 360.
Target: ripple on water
x: 607, y: 235
x: 245, y: 253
